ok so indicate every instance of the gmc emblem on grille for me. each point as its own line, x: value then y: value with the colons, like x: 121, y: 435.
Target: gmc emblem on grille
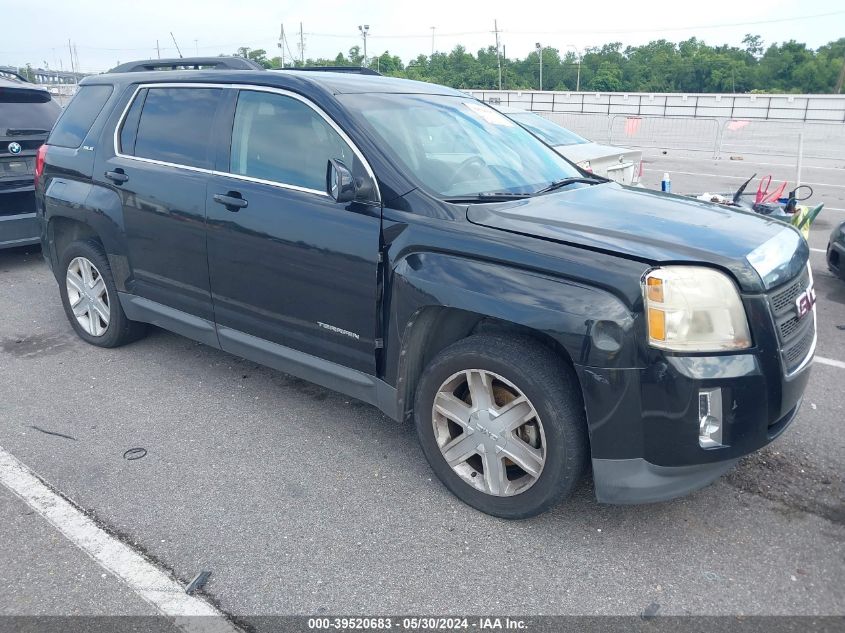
x: 805, y: 302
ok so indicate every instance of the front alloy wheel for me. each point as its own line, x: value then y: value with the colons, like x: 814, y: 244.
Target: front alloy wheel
x: 88, y: 296
x: 489, y: 432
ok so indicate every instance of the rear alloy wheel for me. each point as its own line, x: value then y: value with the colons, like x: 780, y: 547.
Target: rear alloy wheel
x: 500, y: 419
x: 88, y: 296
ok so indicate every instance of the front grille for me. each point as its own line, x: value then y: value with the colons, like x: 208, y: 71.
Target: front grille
x: 795, y: 336
x: 784, y: 299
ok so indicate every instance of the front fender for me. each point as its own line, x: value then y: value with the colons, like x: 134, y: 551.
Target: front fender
x: 594, y: 326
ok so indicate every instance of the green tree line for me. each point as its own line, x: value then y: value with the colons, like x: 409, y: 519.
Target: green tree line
x: 659, y: 66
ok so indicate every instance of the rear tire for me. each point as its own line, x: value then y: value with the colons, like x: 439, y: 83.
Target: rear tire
x: 89, y: 297
x: 472, y: 441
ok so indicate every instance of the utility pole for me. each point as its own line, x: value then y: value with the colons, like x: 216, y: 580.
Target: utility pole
x: 70, y: 52
x: 158, y: 50
x: 841, y: 80
x: 540, y: 54
x: 282, y: 44
x: 301, y: 45
x: 365, y: 30
x: 498, y: 57
x: 177, y: 44
x: 432, y: 40
x: 197, y: 47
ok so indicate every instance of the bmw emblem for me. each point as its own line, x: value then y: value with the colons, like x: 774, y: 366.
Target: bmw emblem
x: 15, y: 148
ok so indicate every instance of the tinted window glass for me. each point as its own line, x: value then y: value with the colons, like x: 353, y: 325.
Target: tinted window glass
x: 130, y: 124
x: 79, y: 116
x: 176, y: 124
x: 281, y: 139
x: 27, y: 118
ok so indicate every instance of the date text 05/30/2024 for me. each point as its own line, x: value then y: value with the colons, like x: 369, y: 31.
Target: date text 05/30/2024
x: 416, y: 624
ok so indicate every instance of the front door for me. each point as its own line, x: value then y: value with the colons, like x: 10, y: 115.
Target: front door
x: 287, y: 263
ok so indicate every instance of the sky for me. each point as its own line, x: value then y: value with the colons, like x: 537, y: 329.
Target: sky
x: 106, y: 32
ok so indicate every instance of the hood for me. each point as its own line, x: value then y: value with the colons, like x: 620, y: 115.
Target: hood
x: 580, y: 152
x: 654, y: 227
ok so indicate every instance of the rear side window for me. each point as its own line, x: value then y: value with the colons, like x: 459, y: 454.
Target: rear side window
x: 175, y: 125
x: 79, y: 116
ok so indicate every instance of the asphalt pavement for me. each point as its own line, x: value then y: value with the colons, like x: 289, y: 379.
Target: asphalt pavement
x: 302, y: 501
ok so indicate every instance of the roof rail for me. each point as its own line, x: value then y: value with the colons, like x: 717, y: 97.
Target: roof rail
x: 188, y: 63
x: 355, y: 70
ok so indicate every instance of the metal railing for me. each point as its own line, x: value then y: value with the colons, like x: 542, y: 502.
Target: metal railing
x: 767, y: 107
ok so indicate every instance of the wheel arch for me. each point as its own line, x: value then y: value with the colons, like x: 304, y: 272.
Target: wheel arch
x: 80, y: 210
x: 437, y: 299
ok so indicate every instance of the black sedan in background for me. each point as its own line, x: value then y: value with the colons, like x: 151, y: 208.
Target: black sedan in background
x: 27, y: 114
x: 836, y: 251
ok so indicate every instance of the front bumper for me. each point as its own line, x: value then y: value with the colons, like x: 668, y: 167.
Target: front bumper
x: 639, y: 481
x: 644, y: 423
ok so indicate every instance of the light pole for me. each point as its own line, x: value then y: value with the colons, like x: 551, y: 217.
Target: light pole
x: 365, y: 29
x: 432, y: 39
x: 540, y: 54
x: 578, y: 76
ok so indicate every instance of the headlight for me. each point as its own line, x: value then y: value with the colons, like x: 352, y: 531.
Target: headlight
x: 694, y: 309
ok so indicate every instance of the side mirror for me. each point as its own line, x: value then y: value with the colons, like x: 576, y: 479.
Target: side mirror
x: 340, y: 184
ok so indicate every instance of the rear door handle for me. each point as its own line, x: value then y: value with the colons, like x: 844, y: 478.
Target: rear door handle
x: 117, y: 176
x: 231, y: 200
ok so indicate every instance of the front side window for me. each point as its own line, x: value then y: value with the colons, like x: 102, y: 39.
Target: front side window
x: 456, y: 146
x: 175, y: 125
x: 281, y: 139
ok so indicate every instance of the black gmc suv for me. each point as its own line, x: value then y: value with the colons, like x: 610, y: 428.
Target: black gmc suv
x: 27, y: 112
x: 409, y: 246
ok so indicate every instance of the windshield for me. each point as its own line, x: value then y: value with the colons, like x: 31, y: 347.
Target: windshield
x: 456, y: 146
x: 550, y: 132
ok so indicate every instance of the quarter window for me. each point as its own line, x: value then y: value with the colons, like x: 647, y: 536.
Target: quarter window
x: 79, y: 116
x: 175, y: 125
x: 279, y: 138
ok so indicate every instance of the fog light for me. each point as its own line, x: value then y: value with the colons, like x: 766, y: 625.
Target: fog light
x: 710, y: 418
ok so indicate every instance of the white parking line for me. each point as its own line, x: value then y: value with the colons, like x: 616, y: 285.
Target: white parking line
x: 145, y: 579
x: 829, y: 361
x: 818, y: 250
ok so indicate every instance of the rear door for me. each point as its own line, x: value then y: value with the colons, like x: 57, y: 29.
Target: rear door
x: 161, y: 166
x: 291, y: 265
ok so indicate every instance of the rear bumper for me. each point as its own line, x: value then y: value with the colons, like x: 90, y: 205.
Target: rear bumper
x: 19, y: 230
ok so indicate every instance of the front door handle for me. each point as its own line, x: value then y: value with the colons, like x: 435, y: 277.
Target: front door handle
x: 117, y: 176
x: 232, y: 200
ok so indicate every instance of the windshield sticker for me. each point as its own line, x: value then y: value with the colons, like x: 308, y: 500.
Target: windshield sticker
x: 489, y: 114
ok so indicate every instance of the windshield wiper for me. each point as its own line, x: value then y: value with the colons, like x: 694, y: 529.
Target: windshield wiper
x: 490, y: 196
x: 557, y: 184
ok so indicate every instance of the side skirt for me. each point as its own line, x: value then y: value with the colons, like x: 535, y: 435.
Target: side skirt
x: 347, y: 381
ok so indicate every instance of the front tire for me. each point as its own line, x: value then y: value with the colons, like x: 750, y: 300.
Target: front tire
x: 501, y: 421
x: 89, y: 297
